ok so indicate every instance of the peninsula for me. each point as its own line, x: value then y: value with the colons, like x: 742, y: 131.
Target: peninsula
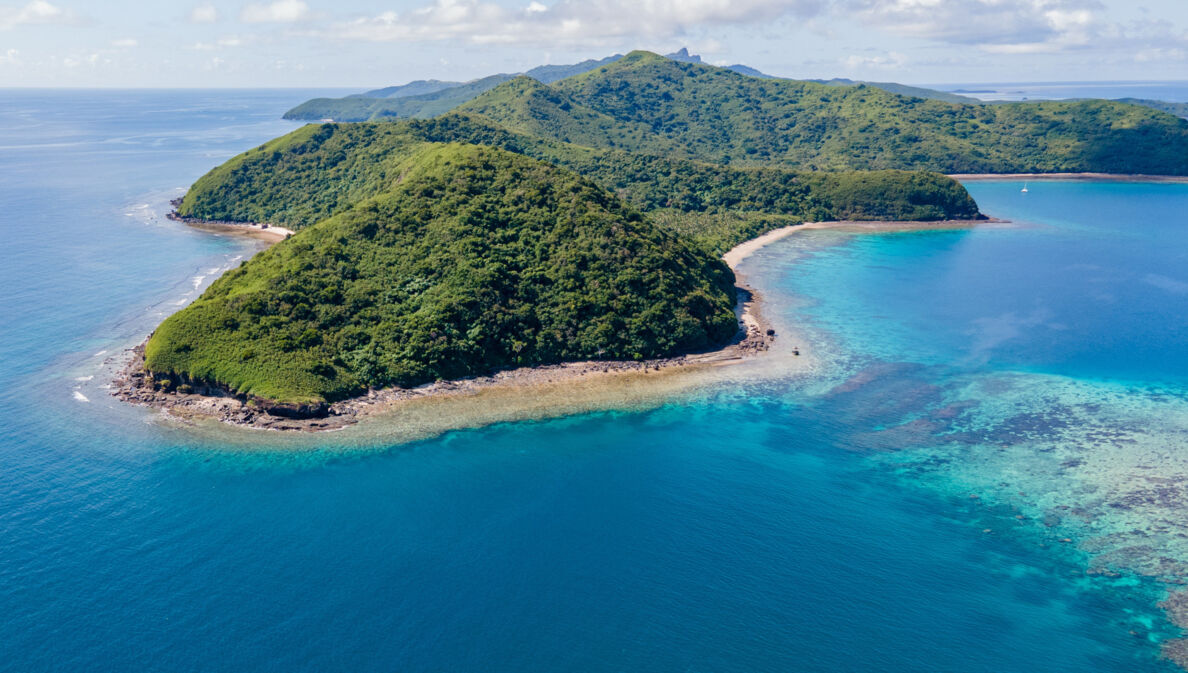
x: 582, y: 221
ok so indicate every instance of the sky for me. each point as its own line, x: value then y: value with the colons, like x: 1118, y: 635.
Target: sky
x: 371, y: 43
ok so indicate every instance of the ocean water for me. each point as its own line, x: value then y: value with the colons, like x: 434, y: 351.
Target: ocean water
x: 1172, y: 91
x: 812, y: 525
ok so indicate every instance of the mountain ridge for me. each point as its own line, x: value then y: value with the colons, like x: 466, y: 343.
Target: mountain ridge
x: 700, y: 112
x: 378, y: 103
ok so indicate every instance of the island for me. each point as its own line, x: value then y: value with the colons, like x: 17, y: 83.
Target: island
x: 585, y: 221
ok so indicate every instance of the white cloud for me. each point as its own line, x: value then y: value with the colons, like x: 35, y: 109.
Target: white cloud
x: 1161, y: 55
x: 1000, y: 26
x: 37, y: 11
x: 1151, y: 42
x: 124, y: 43
x: 567, y: 22
x: 10, y: 57
x: 226, y: 41
x: 205, y: 13
x: 888, y: 61
x: 279, y: 11
x: 93, y: 59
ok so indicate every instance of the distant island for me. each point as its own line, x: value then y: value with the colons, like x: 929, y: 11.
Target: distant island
x: 585, y: 220
x: 422, y: 99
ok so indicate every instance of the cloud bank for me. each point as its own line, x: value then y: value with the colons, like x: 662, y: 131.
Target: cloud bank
x: 37, y: 11
x: 1009, y: 26
x: 992, y: 26
x: 280, y: 11
x: 566, y: 22
x: 205, y: 13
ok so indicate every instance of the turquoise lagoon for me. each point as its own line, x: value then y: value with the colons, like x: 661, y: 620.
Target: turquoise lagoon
x: 985, y: 394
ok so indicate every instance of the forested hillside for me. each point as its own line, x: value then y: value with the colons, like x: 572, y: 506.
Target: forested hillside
x: 319, y: 170
x: 649, y: 104
x: 542, y: 224
x: 475, y: 260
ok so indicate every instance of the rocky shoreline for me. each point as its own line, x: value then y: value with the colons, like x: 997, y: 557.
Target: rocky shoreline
x: 190, y: 400
x: 263, y: 230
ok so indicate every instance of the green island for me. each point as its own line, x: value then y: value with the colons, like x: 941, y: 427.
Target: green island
x: 427, y: 98
x: 478, y: 259
x: 537, y: 224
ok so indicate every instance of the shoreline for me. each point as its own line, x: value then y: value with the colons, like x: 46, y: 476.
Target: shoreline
x: 526, y: 392
x: 1086, y: 177
x: 260, y: 230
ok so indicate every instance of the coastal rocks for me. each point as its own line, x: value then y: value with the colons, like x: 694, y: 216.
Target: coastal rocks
x: 268, y: 232
x: 190, y: 400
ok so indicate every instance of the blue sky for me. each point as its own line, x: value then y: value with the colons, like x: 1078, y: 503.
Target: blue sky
x: 367, y: 43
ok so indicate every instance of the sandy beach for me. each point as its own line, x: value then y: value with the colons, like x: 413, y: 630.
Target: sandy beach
x: 761, y: 351
x: 264, y: 232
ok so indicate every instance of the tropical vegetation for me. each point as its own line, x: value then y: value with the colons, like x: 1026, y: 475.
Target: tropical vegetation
x: 477, y: 259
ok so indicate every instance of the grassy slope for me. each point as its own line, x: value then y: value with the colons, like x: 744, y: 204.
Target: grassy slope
x: 712, y: 114
x: 477, y: 259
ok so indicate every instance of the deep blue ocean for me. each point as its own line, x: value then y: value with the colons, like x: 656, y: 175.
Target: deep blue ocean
x: 987, y: 395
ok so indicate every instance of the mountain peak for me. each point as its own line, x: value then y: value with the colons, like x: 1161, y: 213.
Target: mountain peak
x: 684, y: 56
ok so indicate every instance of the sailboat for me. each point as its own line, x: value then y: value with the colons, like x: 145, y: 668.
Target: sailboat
x: 1024, y: 190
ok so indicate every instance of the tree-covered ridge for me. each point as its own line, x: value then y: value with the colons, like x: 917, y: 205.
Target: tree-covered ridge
x: 413, y: 88
x: 712, y: 114
x: 543, y: 111
x: 440, y: 97
x: 477, y: 259
x: 902, y: 90
x: 424, y: 98
x: 1177, y: 109
x: 318, y: 171
x: 419, y: 105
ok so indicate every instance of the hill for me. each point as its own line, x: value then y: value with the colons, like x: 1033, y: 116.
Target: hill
x: 476, y: 259
x: 649, y: 104
x: 415, y: 88
x: 413, y: 100
x: 682, y: 55
x: 433, y: 97
x: 1177, y: 109
x: 543, y: 73
x: 425, y: 98
x: 902, y: 90
x: 551, y: 73
x: 320, y: 170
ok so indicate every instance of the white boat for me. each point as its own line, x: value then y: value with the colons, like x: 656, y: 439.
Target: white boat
x: 1024, y: 190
